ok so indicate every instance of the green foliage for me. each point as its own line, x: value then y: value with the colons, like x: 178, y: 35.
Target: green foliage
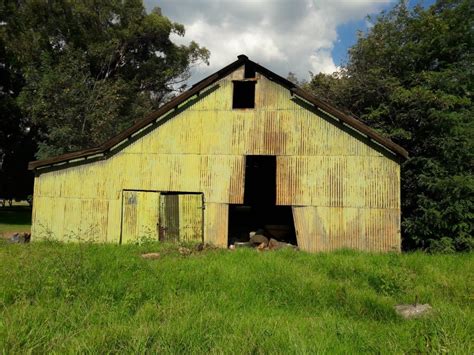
x: 83, y: 297
x: 16, y: 139
x: 410, y: 76
x: 91, y: 68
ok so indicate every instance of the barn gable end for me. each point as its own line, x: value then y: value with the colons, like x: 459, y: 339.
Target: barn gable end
x: 342, y: 186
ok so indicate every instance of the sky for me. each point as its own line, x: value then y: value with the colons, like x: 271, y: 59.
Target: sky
x: 299, y: 36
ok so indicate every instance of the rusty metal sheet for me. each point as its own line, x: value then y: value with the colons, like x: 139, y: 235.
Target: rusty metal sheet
x: 181, y: 217
x: 169, y: 217
x: 216, y: 223
x: 371, y: 182
x: 190, y: 217
x: 331, y: 228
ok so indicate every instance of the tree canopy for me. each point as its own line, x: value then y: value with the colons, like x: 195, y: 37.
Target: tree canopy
x: 411, y: 77
x: 90, y: 68
x: 75, y: 73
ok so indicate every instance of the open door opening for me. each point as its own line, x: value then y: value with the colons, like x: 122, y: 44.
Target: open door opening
x: 259, y: 212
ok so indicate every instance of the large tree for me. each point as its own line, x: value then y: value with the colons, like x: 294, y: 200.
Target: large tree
x: 91, y: 67
x: 411, y: 77
x: 17, y: 145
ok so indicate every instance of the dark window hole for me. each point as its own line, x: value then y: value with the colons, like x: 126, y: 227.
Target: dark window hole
x: 244, y: 94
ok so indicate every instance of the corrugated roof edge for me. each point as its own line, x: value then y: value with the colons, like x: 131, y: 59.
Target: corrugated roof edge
x: 201, y: 85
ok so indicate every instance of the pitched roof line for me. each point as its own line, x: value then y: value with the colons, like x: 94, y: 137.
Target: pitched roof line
x: 196, y: 89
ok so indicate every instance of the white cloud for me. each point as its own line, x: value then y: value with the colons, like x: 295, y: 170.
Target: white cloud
x: 283, y: 35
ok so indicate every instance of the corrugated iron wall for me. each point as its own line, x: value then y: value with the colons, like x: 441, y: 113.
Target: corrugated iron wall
x: 329, y: 228
x: 203, y: 148
x: 140, y: 215
x: 151, y: 215
x: 216, y: 219
x: 190, y: 218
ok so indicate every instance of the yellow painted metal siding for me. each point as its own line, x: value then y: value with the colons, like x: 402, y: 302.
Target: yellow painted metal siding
x: 190, y: 218
x: 181, y: 217
x: 338, y: 181
x: 329, y: 228
x: 144, y: 211
x: 70, y: 219
x: 169, y: 217
x: 320, y: 164
x: 216, y: 217
x: 140, y: 216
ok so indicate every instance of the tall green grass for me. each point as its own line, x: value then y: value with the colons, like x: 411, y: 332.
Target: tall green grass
x: 105, y: 298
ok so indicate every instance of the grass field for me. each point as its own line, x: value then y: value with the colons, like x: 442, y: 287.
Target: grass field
x: 15, y: 219
x: 106, y: 298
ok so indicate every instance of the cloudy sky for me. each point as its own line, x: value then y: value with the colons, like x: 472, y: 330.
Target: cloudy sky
x: 284, y: 35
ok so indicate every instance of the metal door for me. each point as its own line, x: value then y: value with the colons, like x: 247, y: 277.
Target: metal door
x: 181, y: 217
x: 140, y: 215
x: 169, y: 221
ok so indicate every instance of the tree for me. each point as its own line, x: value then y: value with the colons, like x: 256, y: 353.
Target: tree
x: 17, y: 145
x: 90, y: 68
x: 411, y: 77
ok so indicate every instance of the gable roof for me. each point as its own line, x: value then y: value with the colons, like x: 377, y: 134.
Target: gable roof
x: 105, y: 148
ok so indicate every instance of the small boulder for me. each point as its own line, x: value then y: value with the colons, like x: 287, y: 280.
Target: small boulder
x: 262, y: 247
x: 258, y: 239
x: 151, y: 256
x: 20, y: 238
x: 184, y: 251
x: 409, y: 311
x: 274, y: 244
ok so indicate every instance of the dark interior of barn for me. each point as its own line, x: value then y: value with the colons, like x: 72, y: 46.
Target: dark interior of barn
x: 259, y: 212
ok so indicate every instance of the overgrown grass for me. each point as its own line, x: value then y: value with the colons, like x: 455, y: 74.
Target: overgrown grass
x: 15, y: 219
x: 105, y: 298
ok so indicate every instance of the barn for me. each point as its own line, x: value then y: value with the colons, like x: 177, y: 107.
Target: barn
x: 241, y: 150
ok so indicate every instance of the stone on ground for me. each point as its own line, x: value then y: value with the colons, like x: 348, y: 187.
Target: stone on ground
x: 409, y: 311
x: 275, y: 244
x: 151, y: 255
x: 258, y: 239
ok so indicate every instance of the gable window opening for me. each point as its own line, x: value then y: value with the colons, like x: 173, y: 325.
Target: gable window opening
x: 244, y: 94
x: 249, y: 71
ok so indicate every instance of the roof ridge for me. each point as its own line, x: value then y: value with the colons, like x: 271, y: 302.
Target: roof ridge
x: 204, y: 83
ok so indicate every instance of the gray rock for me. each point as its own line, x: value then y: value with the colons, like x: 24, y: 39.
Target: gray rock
x: 20, y: 238
x: 262, y: 247
x: 184, y: 251
x: 409, y: 311
x: 258, y: 239
x: 151, y: 256
x: 275, y: 244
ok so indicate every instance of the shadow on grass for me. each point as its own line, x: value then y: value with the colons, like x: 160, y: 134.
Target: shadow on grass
x: 15, y: 218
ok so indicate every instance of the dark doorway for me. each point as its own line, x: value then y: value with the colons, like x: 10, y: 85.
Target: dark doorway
x: 260, y: 180
x: 259, y: 211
